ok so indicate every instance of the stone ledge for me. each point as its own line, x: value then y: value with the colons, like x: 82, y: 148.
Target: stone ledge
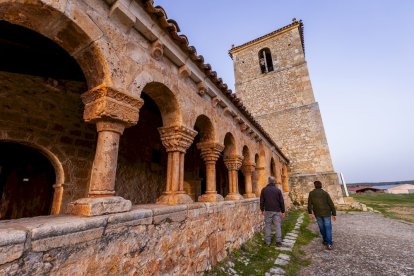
x: 66, y: 225
x: 66, y: 240
x: 133, y: 215
x: 15, y: 237
x: 170, y: 217
x: 45, y: 229
x: 11, y: 245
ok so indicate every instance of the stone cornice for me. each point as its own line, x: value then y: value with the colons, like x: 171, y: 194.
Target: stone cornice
x: 104, y: 102
x: 177, y: 138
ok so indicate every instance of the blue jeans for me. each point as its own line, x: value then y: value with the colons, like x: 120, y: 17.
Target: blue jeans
x: 325, y: 226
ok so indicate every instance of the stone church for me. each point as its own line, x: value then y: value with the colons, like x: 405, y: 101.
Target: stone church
x: 123, y: 152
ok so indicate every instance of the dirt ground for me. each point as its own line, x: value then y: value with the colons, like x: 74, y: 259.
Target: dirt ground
x: 365, y: 243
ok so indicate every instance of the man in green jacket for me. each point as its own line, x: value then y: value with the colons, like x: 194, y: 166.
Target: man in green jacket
x: 323, y: 208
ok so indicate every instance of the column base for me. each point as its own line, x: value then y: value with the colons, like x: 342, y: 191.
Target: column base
x: 174, y: 199
x: 96, y: 206
x: 233, y: 197
x: 249, y: 195
x: 210, y: 198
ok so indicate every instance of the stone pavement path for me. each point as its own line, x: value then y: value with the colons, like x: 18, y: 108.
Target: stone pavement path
x: 287, y: 244
x: 365, y: 243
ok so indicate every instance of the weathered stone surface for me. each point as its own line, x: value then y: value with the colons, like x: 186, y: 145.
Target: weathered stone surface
x: 67, y: 240
x: 98, y: 206
x: 282, y: 99
x: 186, y: 239
x: 11, y: 245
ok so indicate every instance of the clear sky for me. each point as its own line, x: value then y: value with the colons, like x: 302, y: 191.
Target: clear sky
x: 361, y: 62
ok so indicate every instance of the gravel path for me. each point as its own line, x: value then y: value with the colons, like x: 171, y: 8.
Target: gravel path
x: 364, y: 244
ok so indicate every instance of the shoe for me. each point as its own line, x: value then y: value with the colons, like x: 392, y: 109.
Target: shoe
x: 325, y: 243
x: 278, y: 244
x: 329, y: 247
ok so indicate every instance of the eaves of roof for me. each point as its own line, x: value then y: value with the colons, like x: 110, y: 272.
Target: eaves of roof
x: 172, y: 28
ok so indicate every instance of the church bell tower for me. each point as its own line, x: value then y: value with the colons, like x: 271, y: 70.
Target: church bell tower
x: 272, y: 79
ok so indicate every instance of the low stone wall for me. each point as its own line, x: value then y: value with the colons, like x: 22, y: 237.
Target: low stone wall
x: 149, y: 240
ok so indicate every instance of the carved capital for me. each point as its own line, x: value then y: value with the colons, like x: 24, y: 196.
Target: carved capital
x: 210, y: 151
x: 233, y: 163
x: 248, y: 168
x: 177, y: 138
x: 104, y: 102
x: 157, y: 50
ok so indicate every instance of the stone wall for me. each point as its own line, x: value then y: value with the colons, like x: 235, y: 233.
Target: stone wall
x: 301, y: 185
x: 282, y: 101
x: 47, y: 114
x: 301, y: 133
x: 149, y: 240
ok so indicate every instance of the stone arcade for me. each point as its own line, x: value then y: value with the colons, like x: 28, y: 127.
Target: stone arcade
x: 122, y: 152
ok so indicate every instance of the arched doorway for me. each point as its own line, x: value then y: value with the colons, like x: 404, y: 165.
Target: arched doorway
x: 26, y: 182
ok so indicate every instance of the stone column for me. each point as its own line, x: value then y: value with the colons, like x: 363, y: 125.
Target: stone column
x: 210, y: 152
x: 278, y: 174
x: 285, y: 178
x: 261, y: 181
x: 112, y: 111
x: 233, y: 164
x: 248, y: 169
x: 176, y: 140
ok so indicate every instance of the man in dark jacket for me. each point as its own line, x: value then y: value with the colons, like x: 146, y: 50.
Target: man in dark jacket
x: 323, y: 208
x: 273, y: 208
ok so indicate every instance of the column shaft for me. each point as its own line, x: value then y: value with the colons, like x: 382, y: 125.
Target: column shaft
x: 103, y: 174
x: 211, y: 177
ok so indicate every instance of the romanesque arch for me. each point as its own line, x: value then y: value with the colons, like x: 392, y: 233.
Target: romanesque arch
x: 166, y: 102
x: 246, y: 178
x: 29, y: 170
x: 233, y: 163
x: 41, y: 86
x: 81, y: 38
x: 195, y: 174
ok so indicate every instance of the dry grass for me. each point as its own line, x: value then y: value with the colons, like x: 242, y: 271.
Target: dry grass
x: 394, y: 206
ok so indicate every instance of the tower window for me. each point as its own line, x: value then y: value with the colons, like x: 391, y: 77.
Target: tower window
x: 265, y: 60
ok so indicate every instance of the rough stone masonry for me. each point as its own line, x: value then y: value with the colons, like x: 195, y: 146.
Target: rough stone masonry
x: 273, y: 81
x: 146, y: 162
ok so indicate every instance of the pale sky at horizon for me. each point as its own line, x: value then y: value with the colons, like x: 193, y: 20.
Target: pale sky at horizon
x: 361, y: 64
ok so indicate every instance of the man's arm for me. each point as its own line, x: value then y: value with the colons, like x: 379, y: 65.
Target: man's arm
x: 261, y: 201
x: 310, y: 203
x: 332, y: 206
x: 281, y: 202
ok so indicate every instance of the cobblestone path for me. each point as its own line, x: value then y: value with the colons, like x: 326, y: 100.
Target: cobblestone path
x: 365, y: 243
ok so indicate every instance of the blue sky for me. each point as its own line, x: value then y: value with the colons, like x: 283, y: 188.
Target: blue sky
x: 361, y: 63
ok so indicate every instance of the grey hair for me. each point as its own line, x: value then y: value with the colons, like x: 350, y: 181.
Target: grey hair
x: 271, y: 179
